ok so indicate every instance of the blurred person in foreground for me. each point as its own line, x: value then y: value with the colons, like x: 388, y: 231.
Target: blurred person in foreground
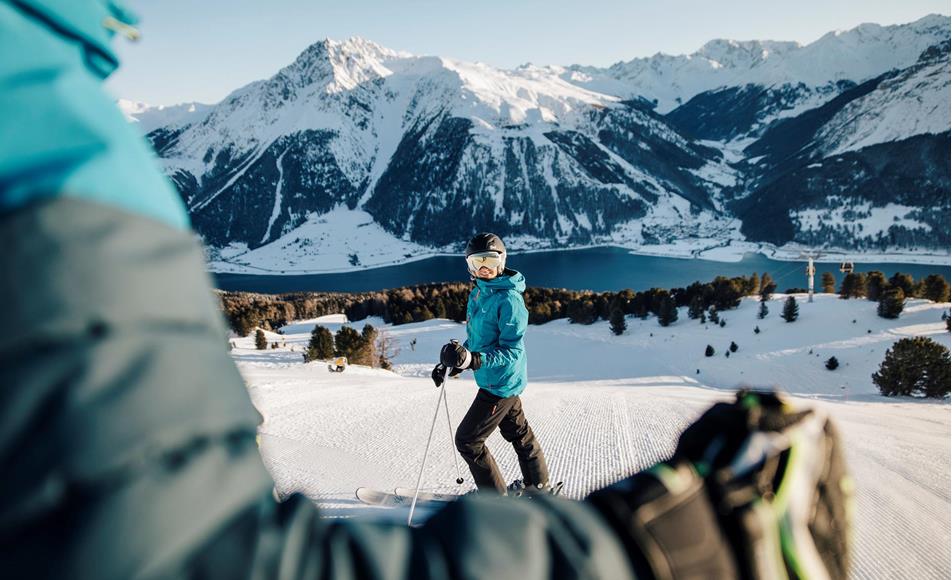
x: 127, y: 437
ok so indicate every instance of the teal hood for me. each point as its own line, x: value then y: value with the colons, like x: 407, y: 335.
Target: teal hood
x: 61, y: 135
x: 496, y: 322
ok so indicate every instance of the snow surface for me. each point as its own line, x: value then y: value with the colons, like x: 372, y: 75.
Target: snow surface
x: 330, y: 242
x: 606, y: 406
x: 862, y: 219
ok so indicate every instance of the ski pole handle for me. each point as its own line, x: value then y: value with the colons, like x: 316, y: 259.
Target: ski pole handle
x: 438, y: 375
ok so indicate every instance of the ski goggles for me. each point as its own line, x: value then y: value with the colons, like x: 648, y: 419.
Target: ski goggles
x: 491, y: 260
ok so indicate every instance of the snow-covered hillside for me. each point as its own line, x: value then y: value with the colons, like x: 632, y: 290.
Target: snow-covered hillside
x: 606, y: 406
x: 913, y: 102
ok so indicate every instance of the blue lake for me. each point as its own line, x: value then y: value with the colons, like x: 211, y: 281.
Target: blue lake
x: 599, y: 269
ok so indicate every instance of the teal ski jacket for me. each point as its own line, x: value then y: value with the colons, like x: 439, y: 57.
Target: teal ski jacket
x: 496, y: 324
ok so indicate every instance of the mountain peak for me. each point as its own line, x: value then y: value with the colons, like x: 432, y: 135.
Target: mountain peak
x: 734, y: 53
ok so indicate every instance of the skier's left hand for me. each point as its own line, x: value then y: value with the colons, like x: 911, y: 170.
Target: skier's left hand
x: 439, y: 374
x: 456, y: 356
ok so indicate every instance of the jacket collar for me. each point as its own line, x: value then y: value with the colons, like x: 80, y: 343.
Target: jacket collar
x: 508, y: 280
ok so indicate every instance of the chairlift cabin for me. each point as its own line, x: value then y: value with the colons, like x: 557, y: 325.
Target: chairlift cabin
x: 846, y: 267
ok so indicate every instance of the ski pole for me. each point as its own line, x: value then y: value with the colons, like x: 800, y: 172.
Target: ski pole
x: 426, y: 451
x: 449, y: 424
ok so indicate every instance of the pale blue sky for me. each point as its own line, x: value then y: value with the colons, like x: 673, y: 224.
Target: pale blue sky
x: 201, y: 50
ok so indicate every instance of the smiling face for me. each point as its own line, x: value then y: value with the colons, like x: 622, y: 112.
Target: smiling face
x: 485, y: 273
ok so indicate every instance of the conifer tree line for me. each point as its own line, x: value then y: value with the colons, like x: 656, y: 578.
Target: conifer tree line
x: 246, y: 311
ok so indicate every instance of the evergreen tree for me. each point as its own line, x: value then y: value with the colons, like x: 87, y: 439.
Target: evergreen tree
x: 762, y: 313
x: 261, y: 343
x: 728, y: 292
x: 891, y: 303
x: 875, y: 285
x: 733, y: 347
x: 790, y: 309
x: 668, y: 313
x: 935, y: 288
x: 696, y: 307
x: 582, y: 311
x: 756, y: 330
x: 709, y: 351
x: 832, y: 364
x: 617, y: 321
x: 829, y: 283
x: 713, y: 316
x: 722, y: 323
x: 904, y: 282
x: 853, y: 286
x: 914, y: 366
x: 321, y: 345
x: 347, y: 342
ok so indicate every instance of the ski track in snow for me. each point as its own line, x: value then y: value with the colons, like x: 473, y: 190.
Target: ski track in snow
x: 325, y: 434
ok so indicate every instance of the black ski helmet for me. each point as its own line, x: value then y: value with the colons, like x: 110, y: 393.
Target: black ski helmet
x: 487, y: 242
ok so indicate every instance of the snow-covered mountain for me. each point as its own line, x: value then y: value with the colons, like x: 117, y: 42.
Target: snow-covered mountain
x: 150, y: 117
x: 840, y: 56
x: 430, y: 147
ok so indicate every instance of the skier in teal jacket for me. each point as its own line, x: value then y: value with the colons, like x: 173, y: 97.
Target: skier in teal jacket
x: 496, y: 320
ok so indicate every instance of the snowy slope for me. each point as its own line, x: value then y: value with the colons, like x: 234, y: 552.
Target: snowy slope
x: 912, y: 102
x: 605, y: 406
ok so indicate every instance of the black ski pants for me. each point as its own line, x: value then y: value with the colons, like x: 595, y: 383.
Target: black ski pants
x: 486, y: 414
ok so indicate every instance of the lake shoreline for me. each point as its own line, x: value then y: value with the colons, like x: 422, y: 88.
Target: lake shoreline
x: 690, y: 250
x: 597, y: 268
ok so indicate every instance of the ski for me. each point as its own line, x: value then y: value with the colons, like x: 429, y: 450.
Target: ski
x: 403, y: 496
x: 426, y: 496
x: 376, y: 497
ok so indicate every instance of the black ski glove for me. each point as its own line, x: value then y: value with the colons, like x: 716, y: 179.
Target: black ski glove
x: 456, y: 356
x: 712, y: 510
x: 439, y: 374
